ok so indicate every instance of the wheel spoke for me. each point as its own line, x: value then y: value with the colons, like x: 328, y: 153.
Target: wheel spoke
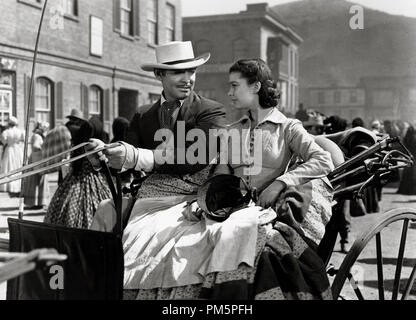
x: 380, y: 276
x: 400, y: 260
x: 409, y: 284
x: 354, y: 285
x: 344, y: 271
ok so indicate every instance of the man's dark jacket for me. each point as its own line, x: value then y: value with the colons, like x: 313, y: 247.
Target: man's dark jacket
x: 196, y: 112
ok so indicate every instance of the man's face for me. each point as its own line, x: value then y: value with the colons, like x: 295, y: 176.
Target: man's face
x: 177, y: 84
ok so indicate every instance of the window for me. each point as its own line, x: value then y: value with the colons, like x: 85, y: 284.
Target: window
x: 152, y: 21
x: 412, y: 95
x: 43, y: 100
x: 6, y: 103
x: 170, y: 22
x: 353, y: 96
x: 94, y: 101
x: 296, y: 65
x: 283, y: 87
x: 96, y: 36
x: 70, y: 7
x: 292, y: 97
x: 292, y: 62
x: 284, y: 62
x: 126, y: 17
x: 321, y: 97
x: 337, y: 96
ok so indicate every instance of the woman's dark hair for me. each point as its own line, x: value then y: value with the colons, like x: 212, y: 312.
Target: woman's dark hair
x: 257, y: 70
x: 120, y: 129
x: 98, y: 129
x: 358, y: 122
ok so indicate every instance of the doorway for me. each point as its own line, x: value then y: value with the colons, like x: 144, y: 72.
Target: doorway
x: 127, y: 103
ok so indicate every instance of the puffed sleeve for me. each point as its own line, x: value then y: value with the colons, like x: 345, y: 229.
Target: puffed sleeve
x: 317, y: 162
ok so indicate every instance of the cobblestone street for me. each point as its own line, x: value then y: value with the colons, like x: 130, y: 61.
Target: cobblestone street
x: 391, y: 236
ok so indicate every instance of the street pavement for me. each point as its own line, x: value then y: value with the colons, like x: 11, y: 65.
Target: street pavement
x: 365, y: 272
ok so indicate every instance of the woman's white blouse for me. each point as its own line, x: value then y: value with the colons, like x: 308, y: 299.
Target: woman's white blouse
x: 266, y: 152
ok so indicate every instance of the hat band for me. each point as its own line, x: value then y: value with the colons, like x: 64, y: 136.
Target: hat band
x: 179, y: 61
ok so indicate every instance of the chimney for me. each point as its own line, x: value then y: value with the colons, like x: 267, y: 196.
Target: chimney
x: 257, y: 7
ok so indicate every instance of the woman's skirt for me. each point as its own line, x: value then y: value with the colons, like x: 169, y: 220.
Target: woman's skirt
x: 12, y: 160
x: 285, y: 266
x: 76, y: 199
x: 35, y: 187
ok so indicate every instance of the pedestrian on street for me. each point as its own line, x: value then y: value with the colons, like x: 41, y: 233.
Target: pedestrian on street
x: 12, y: 138
x: 34, y: 187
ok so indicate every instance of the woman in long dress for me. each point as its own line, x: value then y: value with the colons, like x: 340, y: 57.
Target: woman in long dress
x: 12, y: 158
x: 77, y: 197
x: 407, y: 184
x: 34, y: 187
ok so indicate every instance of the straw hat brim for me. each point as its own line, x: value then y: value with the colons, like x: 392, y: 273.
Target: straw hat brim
x: 198, y: 61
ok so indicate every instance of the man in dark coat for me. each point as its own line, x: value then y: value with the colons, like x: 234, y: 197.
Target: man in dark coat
x: 178, y: 111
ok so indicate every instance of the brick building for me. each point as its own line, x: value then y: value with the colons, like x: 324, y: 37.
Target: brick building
x: 89, y: 57
x: 255, y: 32
x: 386, y: 98
x: 346, y: 102
x: 390, y: 98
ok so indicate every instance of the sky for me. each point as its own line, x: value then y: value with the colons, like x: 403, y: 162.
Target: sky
x: 208, y: 7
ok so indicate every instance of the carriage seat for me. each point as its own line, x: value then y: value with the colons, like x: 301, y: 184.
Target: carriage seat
x: 354, y: 140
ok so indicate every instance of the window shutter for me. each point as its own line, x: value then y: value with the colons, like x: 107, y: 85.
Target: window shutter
x: 106, y: 104
x: 59, y: 101
x: 32, y: 105
x: 136, y: 18
x: 52, y: 114
x: 116, y: 15
x: 84, y: 100
x: 76, y: 7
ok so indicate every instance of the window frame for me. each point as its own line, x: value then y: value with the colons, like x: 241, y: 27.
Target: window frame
x: 154, y: 21
x: 353, y: 96
x: 130, y: 15
x: 337, y: 96
x: 74, y: 12
x: 50, y: 103
x: 321, y: 97
x: 170, y: 29
x: 92, y: 18
x: 100, y: 91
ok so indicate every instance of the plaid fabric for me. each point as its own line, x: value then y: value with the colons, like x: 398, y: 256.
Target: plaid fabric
x: 77, y: 197
x: 56, y: 141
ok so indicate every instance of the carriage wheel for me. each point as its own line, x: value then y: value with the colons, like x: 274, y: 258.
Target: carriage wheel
x: 372, y: 240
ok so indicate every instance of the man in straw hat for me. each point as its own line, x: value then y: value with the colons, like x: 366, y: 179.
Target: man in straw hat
x: 178, y: 108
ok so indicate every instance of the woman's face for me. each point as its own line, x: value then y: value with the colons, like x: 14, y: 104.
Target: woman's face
x: 242, y: 94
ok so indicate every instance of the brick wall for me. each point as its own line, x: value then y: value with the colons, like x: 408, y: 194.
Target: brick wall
x: 64, y: 55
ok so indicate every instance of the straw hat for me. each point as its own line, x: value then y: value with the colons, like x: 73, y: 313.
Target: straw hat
x: 13, y: 121
x: 76, y: 113
x: 176, y: 55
